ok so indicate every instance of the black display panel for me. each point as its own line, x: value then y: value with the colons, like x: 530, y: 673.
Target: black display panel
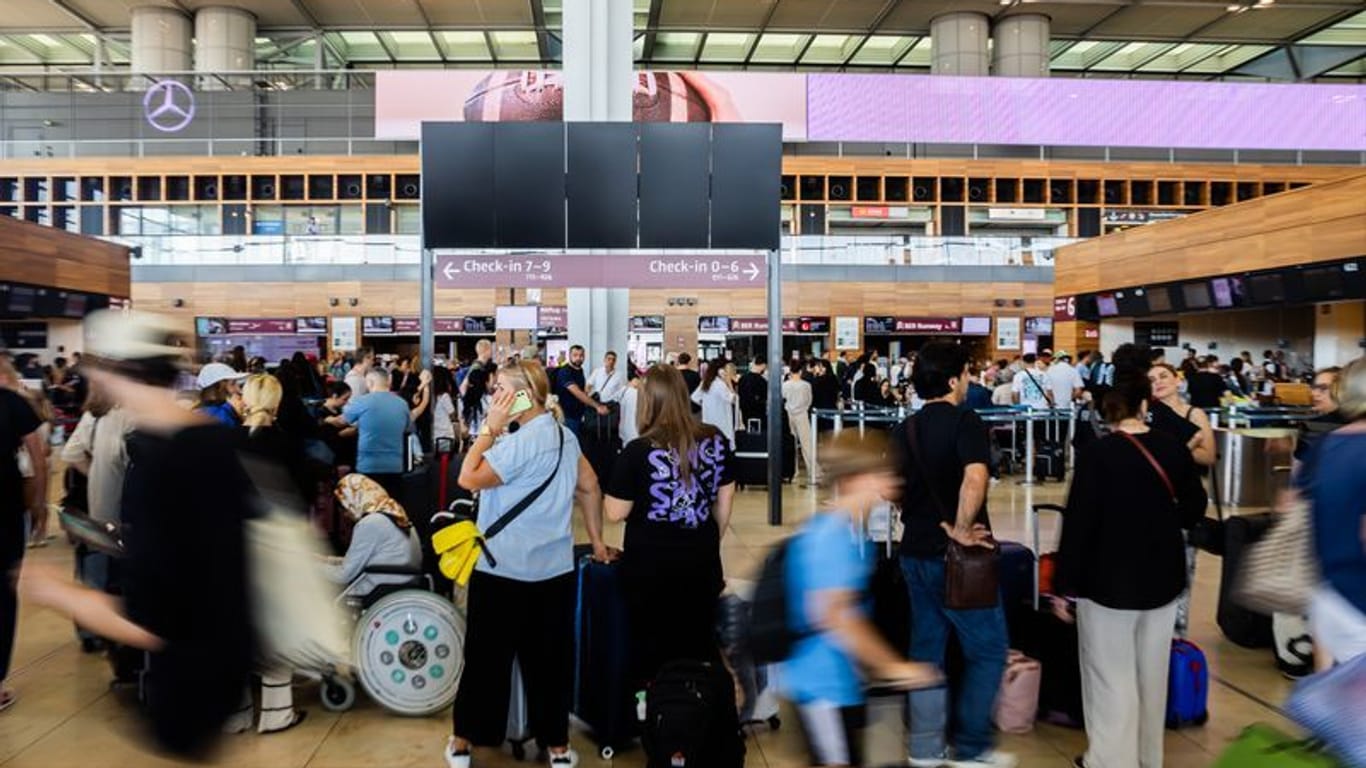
x: 1196, y: 296
x: 1131, y: 302
x: 713, y: 324
x: 1159, y: 334
x: 23, y: 300
x: 1266, y: 288
x: 746, y: 180
x: 1106, y: 305
x: 1332, y: 282
x: 880, y: 324
x: 457, y: 164
x: 674, y: 168
x: 528, y: 185
x: 1159, y: 299
x: 1228, y: 292
x: 602, y: 185
x: 481, y: 324
x: 24, y: 335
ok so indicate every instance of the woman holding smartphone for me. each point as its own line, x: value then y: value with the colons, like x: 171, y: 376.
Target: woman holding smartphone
x: 717, y: 397
x: 521, y: 596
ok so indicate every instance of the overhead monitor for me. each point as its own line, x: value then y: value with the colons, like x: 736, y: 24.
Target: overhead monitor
x: 1228, y: 292
x: 1267, y: 288
x: 1107, y: 305
x: 517, y: 318
x: 1132, y: 301
x: 1159, y: 299
x: 1196, y: 295
x: 713, y: 324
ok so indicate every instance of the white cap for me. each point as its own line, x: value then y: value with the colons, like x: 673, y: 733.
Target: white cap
x: 213, y: 373
x: 126, y: 336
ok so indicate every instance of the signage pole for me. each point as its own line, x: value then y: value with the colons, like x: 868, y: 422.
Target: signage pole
x: 775, y: 388
x: 427, y: 321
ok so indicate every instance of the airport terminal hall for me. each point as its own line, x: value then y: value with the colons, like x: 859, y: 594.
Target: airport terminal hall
x: 683, y: 383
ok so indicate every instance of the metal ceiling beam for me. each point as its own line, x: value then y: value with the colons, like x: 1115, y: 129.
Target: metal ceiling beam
x: 652, y: 28
x: 488, y: 43
x: 431, y: 35
x: 763, y: 27
x: 542, y: 32
x: 1327, y: 23
x: 384, y: 45
x: 697, y: 53
x: 805, y: 47
x: 1086, y: 33
x: 303, y: 10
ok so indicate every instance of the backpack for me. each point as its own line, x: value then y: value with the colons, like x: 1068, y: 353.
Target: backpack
x: 771, y: 637
x: 690, y: 718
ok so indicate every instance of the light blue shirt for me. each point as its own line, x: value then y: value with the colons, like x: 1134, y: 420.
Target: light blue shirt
x: 382, y: 419
x: 539, y: 544
x: 828, y: 554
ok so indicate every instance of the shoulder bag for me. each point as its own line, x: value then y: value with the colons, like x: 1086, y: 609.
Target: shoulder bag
x: 971, y: 574
x: 460, y: 544
x: 1279, y: 573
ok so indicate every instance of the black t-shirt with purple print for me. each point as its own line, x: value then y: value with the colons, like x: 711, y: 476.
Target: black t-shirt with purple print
x: 672, y: 522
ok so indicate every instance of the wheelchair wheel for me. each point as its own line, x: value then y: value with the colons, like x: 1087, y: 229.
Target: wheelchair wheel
x: 337, y: 694
x: 409, y: 648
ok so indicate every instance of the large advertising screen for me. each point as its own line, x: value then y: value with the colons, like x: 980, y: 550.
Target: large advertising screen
x: 1061, y: 111
x: 406, y: 98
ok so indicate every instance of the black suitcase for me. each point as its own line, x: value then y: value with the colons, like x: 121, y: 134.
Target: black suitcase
x: 417, y: 492
x: 1241, y: 626
x: 600, y: 440
x: 751, y: 457
x: 1041, y: 635
x: 1050, y: 461
x: 1016, y: 568
x: 603, y: 698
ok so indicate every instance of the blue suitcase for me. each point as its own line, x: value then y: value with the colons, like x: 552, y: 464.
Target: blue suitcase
x: 603, y: 698
x: 1016, y: 569
x: 1187, y: 686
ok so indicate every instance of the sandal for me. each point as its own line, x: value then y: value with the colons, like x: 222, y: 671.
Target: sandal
x: 7, y: 699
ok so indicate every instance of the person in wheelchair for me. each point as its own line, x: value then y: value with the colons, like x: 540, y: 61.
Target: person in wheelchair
x: 383, y: 536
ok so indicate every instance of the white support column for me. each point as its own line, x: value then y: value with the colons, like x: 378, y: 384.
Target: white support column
x: 598, y: 83
x: 1338, y: 331
x: 1020, y: 46
x: 224, y: 41
x: 160, y: 43
x: 959, y: 44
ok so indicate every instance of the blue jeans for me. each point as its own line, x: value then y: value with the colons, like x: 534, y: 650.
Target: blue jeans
x: 982, y: 634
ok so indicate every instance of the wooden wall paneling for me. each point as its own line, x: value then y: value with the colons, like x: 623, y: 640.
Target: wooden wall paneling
x: 31, y: 253
x: 1319, y: 223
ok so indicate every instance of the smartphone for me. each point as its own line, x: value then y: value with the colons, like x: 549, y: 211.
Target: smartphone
x: 521, y: 402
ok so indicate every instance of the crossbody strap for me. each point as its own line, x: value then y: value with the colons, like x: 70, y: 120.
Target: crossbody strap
x: 1047, y: 395
x: 521, y: 506
x: 923, y: 472
x: 1162, y: 473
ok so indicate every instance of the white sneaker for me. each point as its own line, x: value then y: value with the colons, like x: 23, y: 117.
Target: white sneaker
x: 567, y: 759
x: 989, y: 759
x: 928, y: 762
x: 453, y: 760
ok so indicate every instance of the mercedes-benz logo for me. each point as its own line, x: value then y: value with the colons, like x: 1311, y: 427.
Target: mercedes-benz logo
x: 168, y: 106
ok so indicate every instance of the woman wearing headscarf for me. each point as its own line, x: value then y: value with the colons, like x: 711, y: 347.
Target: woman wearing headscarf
x: 383, y: 535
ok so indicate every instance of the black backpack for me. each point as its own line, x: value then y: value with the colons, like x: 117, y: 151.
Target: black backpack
x: 771, y: 637
x: 690, y: 718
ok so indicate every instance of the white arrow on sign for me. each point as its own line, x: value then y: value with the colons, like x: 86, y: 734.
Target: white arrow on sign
x: 449, y: 270
x: 753, y: 271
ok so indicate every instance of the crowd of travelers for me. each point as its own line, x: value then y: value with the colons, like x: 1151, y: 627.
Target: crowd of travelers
x: 139, y: 431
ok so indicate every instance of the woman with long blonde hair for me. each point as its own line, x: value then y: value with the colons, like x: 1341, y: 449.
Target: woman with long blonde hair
x: 521, y: 596
x: 673, y: 486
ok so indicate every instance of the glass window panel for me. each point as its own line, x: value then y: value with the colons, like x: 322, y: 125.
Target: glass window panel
x: 515, y: 45
x: 469, y: 46
x: 726, y: 46
x: 919, y: 55
x: 883, y: 50
x: 351, y: 220
x: 779, y: 48
x: 830, y: 49
x: 408, y: 219
x: 676, y: 46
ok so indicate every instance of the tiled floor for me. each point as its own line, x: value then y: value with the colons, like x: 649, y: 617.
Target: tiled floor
x: 66, y: 716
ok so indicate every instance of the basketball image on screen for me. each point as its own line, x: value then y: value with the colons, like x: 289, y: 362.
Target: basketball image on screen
x: 658, y: 97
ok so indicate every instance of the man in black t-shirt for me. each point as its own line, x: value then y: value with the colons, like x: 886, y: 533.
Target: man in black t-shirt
x: 691, y: 378
x: 18, y: 428
x: 943, y: 453
x: 1206, y: 388
x: 753, y: 391
x: 571, y: 389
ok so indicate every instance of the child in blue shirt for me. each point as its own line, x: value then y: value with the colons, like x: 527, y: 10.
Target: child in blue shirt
x: 829, y: 567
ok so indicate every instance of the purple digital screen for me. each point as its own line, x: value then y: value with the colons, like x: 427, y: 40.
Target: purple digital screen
x: 1085, y: 112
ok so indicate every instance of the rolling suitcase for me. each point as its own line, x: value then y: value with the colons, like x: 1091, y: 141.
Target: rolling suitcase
x: 751, y: 457
x: 603, y: 698
x: 1036, y: 632
x: 1050, y: 461
x: 1240, y: 625
x: 519, y: 722
x: 1016, y: 568
x: 1187, y: 686
x: 600, y: 438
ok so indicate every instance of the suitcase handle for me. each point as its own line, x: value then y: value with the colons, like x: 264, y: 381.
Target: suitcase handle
x: 1034, y: 528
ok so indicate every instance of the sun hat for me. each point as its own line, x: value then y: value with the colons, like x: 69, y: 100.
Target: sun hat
x: 213, y: 373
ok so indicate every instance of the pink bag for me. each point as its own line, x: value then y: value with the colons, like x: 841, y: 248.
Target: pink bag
x: 1018, y: 702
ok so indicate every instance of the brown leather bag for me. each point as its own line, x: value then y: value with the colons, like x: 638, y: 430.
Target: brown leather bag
x: 971, y: 574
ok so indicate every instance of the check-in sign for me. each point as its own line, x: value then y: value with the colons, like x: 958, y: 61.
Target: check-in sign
x: 600, y: 271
